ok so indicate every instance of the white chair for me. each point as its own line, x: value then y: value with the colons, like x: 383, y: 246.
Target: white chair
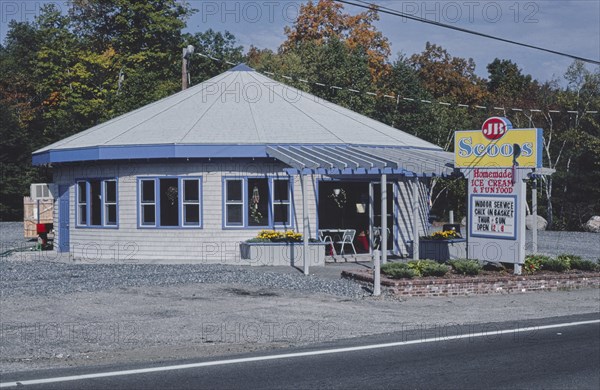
x: 326, y: 239
x: 347, y: 239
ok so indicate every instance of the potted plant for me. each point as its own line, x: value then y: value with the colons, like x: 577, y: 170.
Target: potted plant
x: 271, y: 247
x: 443, y: 246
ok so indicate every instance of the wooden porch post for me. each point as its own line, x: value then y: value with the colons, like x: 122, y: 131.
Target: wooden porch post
x: 305, y: 222
x: 384, y: 235
x: 415, y: 215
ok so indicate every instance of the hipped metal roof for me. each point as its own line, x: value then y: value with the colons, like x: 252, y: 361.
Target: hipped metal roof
x: 242, y: 113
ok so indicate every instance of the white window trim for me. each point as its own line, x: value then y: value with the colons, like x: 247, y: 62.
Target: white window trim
x: 80, y: 203
x: 287, y: 202
x: 143, y: 203
x: 157, y: 202
x: 87, y: 203
x: 194, y: 202
x: 245, y: 200
x: 241, y: 202
x: 106, y: 203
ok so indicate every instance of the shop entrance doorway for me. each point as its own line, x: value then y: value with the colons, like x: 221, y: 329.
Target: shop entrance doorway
x: 354, y: 206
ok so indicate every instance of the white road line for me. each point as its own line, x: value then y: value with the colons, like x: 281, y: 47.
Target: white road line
x: 288, y: 355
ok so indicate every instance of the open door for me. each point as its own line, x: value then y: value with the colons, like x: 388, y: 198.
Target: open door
x: 345, y: 205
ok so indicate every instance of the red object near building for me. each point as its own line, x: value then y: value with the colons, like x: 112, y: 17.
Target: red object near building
x: 363, y: 242
x: 43, y: 229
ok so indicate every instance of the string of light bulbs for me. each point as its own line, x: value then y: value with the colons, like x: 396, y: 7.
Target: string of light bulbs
x: 398, y: 98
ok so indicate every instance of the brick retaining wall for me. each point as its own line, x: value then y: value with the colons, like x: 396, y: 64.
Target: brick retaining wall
x: 438, y: 287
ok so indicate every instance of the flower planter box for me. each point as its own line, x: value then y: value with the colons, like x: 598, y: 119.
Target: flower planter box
x: 443, y: 250
x: 282, y: 253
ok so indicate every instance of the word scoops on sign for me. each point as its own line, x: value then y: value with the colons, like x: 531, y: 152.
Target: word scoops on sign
x: 475, y: 149
x: 495, y: 127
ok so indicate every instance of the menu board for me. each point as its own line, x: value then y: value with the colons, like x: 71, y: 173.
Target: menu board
x: 493, y: 216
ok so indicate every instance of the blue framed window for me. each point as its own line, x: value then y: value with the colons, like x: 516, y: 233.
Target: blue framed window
x: 257, y: 202
x: 282, y: 205
x: 167, y: 202
x: 97, y: 204
x: 234, y: 202
x: 190, y: 202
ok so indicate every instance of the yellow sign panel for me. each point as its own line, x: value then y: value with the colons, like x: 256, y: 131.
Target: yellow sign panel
x: 472, y: 149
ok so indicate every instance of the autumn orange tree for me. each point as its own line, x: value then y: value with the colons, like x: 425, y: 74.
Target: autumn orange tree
x: 453, y: 80
x: 450, y: 80
x: 320, y: 23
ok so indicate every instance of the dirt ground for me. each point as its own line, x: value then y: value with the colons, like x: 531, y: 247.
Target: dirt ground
x: 205, y: 320
x: 71, y: 326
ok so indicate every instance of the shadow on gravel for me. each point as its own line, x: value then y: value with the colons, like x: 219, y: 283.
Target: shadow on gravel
x: 247, y: 293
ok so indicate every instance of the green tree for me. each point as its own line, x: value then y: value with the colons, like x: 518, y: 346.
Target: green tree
x: 448, y: 77
x: 69, y: 103
x: 221, y: 46
x: 450, y: 80
x: 577, y: 192
x: 146, y: 39
x: 408, y: 114
x: 509, y: 88
x: 64, y: 73
x: 506, y: 78
x: 20, y: 115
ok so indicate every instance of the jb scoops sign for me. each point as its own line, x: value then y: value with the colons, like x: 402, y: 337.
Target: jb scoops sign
x: 498, y: 145
x: 496, y: 161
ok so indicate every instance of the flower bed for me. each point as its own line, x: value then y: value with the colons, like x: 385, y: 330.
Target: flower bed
x: 275, y: 236
x: 270, y: 247
x: 485, y: 283
x: 443, y: 235
x: 468, y: 277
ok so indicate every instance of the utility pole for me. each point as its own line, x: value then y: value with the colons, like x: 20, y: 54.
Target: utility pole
x: 185, y: 62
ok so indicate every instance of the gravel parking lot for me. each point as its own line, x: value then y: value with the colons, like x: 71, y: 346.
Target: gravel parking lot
x: 58, y: 314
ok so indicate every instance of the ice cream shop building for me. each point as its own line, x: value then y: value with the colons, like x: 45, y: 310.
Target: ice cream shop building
x: 189, y: 177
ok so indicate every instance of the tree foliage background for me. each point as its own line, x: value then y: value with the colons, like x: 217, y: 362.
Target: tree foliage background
x: 66, y: 72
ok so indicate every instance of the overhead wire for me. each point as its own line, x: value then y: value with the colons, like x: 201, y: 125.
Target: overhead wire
x: 390, y: 11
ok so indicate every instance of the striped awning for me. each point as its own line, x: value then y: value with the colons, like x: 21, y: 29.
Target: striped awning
x: 337, y: 159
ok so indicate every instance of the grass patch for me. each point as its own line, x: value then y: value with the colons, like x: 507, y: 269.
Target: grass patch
x: 583, y: 265
x: 533, y: 264
x: 415, y: 268
x: 561, y: 264
x: 428, y: 268
x: 398, y: 271
x: 466, y: 267
x: 433, y: 268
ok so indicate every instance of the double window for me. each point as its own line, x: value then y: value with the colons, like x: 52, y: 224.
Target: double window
x: 170, y: 202
x: 257, y: 202
x: 97, y: 203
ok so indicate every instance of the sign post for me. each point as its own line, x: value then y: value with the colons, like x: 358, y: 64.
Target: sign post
x: 497, y: 160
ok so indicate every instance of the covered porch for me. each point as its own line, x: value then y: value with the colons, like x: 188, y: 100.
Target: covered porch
x: 370, y: 200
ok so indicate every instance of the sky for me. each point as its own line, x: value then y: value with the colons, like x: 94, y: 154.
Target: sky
x: 570, y: 26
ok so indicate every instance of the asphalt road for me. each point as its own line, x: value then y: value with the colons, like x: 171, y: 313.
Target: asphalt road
x: 556, y: 353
